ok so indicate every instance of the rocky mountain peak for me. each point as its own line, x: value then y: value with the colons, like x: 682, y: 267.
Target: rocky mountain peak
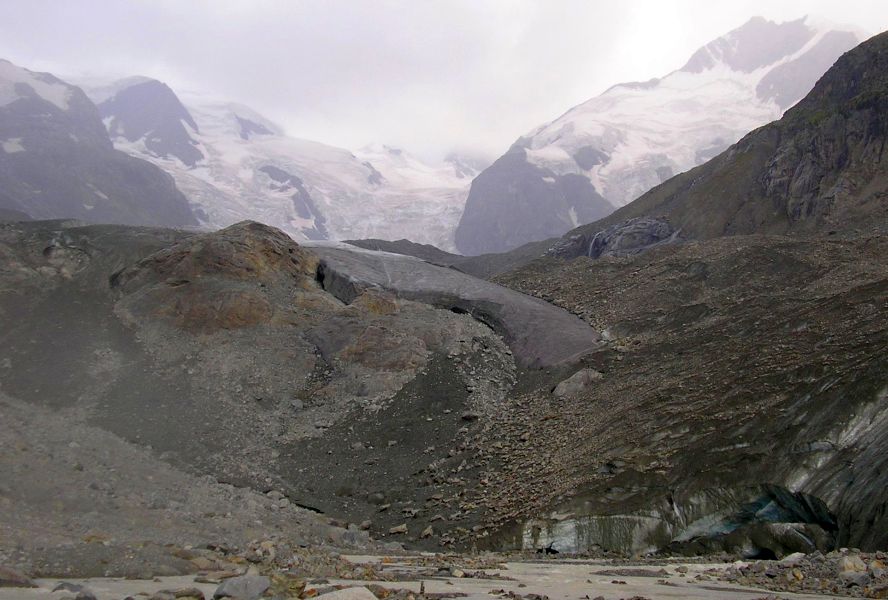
x: 755, y: 44
x: 150, y: 112
x: 17, y: 82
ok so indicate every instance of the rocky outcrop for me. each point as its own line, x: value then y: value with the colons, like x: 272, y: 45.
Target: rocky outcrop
x: 622, y: 239
x: 56, y: 160
x: 225, y: 354
x: 225, y: 280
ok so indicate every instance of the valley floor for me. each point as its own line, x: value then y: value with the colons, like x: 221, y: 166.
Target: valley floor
x: 438, y: 578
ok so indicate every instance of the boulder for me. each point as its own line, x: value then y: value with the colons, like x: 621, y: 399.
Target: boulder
x: 851, y: 564
x: 245, y: 587
x: 12, y: 578
x: 577, y: 383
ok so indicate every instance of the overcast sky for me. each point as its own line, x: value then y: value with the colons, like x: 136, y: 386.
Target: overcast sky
x: 426, y: 75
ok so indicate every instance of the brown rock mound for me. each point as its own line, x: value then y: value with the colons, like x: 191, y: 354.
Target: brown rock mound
x: 222, y: 280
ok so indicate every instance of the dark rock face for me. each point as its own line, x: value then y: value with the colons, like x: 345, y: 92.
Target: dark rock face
x: 151, y: 111
x: 514, y: 202
x: 590, y: 156
x: 305, y: 206
x: 250, y: 128
x: 375, y: 177
x: 623, y: 239
x: 789, y: 82
x: 819, y: 168
x: 63, y: 165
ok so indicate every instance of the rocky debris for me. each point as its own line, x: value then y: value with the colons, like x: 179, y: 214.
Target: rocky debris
x: 577, y: 383
x: 842, y: 573
x: 513, y: 595
x: 179, y: 594
x: 133, y: 498
x: 806, y: 326
x: 631, y: 572
x: 13, y: 578
x: 679, y: 322
x: 293, y: 380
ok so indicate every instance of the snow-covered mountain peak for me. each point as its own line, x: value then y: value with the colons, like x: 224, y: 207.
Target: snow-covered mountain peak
x: 17, y: 82
x: 755, y: 44
x: 735, y: 83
